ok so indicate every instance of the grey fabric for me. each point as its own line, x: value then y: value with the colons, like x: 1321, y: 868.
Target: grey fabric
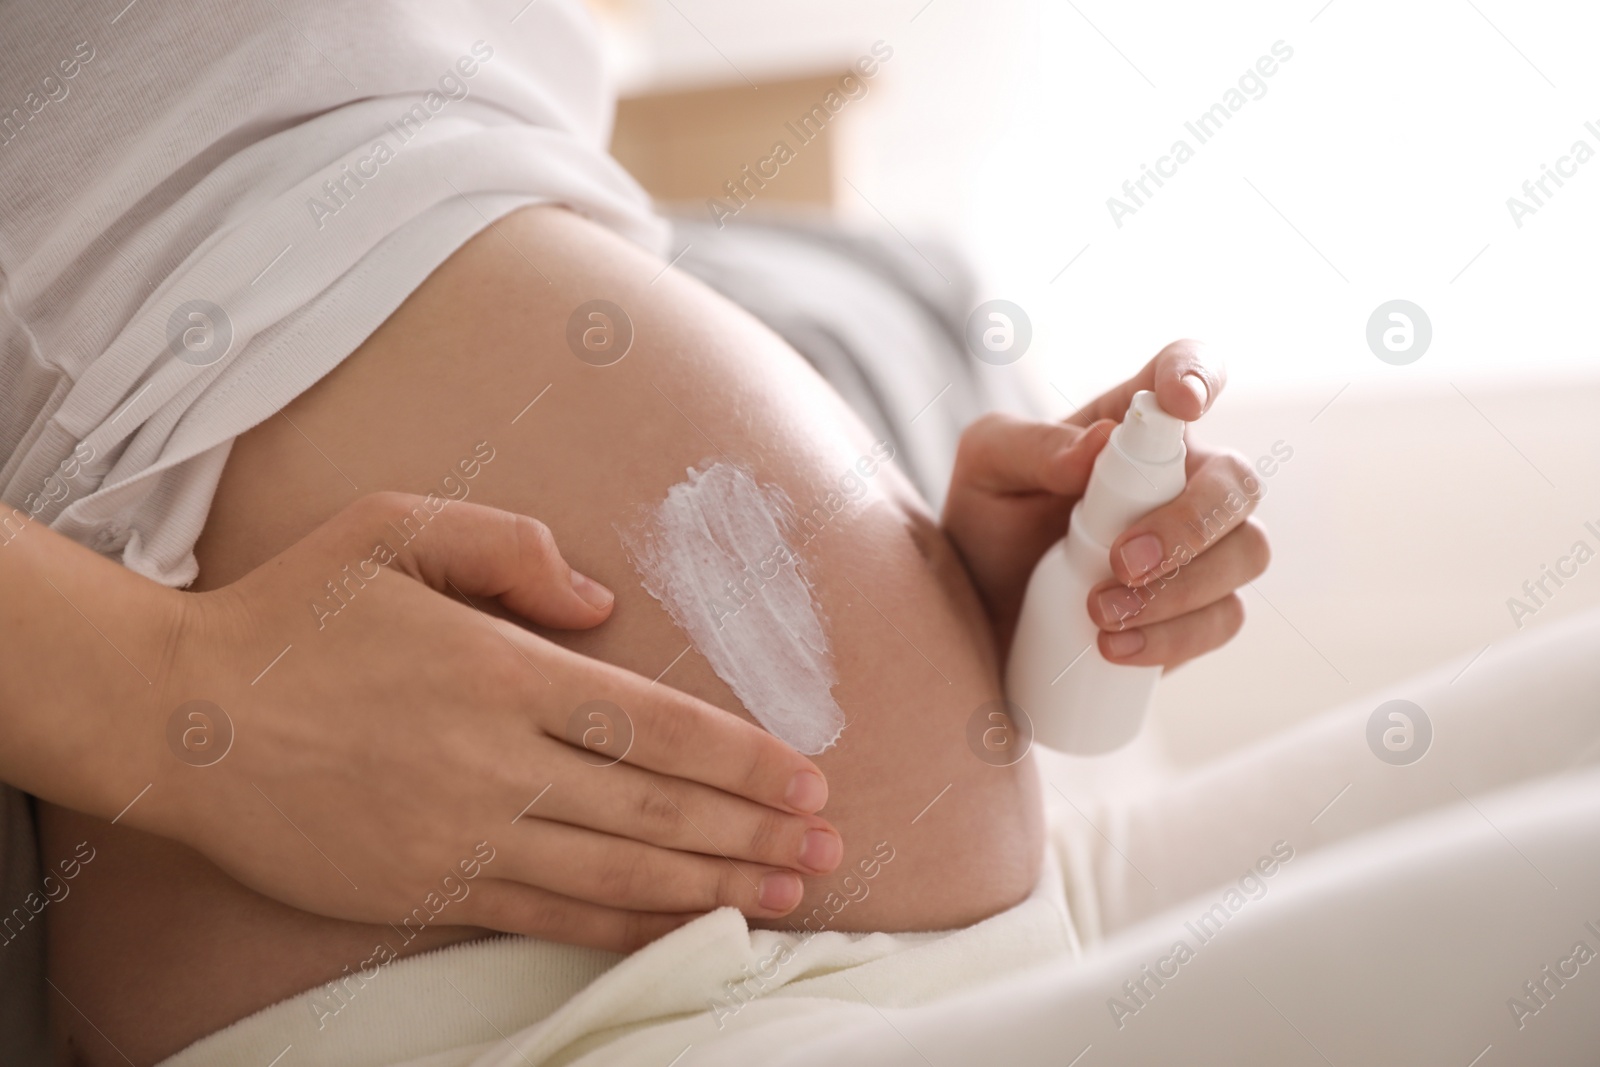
x: 884, y: 325
x: 22, y: 1032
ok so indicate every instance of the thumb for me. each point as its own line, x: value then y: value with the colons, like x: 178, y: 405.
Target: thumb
x: 454, y: 546
x: 1005, y: 454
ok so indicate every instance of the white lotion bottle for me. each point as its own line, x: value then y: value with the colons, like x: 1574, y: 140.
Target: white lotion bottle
x: 1077, y: 701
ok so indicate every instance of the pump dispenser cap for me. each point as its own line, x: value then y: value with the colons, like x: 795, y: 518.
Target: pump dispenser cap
x: 1149, y: 434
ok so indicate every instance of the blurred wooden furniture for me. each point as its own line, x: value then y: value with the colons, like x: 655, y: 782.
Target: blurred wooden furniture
x: 685, y: 146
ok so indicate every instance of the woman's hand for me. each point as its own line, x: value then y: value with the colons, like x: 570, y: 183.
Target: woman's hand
x: 1176, y: 569
x: 407, y: 751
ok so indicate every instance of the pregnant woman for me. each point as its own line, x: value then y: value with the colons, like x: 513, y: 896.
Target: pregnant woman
x: 367, y: 285
x: 701, y: 384
x: 360, y: 265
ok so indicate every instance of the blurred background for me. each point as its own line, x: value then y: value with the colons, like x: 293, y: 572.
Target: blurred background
x: 1374, y: 163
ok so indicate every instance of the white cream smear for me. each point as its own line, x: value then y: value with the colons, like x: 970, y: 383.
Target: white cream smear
x: 714, y: 554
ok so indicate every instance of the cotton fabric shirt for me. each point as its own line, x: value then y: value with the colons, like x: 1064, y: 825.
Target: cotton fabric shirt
x: 204, y: 208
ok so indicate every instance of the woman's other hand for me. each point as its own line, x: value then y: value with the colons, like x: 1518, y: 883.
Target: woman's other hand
x: 1177, y: 570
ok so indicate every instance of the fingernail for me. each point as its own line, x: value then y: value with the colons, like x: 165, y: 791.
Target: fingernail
x: 1124, y: 643
x: 591, y: 592
x: 1196, y: 385
x: 807, y: 792
x: 820, y: 851
x: 780, y: 891
x: 1119, y: 604
x: 1142, y: 555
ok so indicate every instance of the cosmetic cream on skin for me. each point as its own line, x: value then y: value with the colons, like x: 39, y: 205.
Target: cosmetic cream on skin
x: 716, y: 555
x: 1079, y: 702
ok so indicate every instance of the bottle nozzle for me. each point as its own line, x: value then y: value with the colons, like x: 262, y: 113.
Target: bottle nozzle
x: 1147, y: 433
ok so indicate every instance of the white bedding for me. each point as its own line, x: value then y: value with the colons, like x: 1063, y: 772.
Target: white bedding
x: 1409, y: 947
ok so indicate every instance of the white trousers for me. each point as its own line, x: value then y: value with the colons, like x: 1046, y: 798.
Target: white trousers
x: 1307, y: 902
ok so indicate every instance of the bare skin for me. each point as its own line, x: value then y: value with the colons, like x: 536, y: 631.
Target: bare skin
x: 160, y: 948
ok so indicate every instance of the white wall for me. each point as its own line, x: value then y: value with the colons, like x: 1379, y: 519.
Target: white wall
x: 1376, y: 166
x: 1391, y: 141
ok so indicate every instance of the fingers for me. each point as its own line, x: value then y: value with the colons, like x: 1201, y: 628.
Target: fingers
x: 1004, y: 454
x: 457, y: 547
x: 1221, y: 493
x: 1239, y: 557
x: 513, y: 908
x: 1176, y: 641
x: 676, y: 735
x: 1183, y: 380
x: 671, y: 813
x: 620, y: 873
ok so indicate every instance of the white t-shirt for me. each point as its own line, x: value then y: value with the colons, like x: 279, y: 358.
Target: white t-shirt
x: 204, y: 208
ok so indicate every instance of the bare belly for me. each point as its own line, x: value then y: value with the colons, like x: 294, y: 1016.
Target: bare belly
x: 160, y: 948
